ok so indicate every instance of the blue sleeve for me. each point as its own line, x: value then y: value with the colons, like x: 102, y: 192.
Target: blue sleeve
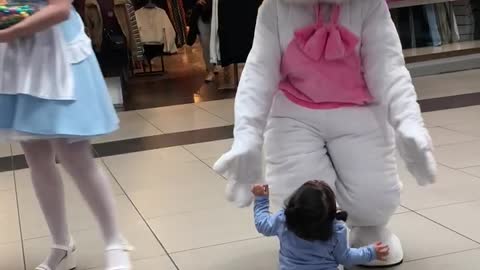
x: 347, y: 256
x: 266, y: 223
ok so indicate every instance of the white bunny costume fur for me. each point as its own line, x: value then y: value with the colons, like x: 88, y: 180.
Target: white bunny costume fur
x: 351, y: 148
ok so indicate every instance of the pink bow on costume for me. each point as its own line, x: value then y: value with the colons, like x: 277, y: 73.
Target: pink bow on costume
x: 330, y: 41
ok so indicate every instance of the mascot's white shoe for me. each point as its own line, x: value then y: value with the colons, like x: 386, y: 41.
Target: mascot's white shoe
x: 363, y: 236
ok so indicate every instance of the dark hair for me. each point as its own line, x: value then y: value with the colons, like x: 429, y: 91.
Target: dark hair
x: 311, y: 211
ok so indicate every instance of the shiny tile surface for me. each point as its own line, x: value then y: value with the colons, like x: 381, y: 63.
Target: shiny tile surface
x: 173, y: 210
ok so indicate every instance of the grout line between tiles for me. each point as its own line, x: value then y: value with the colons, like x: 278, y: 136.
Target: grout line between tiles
x: 441, y: 255
x: 217, y: 245
x: 443, y: 205
x: 151, y: 123
x: 141, y: 216
x: 450, y: 229
x: 214, y: 114
x: 18, y: 211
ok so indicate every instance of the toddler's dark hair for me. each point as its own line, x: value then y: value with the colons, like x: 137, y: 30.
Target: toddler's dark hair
x: 311, y: 211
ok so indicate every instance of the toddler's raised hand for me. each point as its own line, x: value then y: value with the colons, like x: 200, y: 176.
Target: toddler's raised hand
x: 260, y: 190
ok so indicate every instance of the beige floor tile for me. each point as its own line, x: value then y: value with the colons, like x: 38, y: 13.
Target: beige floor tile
x: 452, y: 187
x: 475, y: 171
x: 422, y: 238
x: 175, y: 189
x: 181, y: 118
x: 11, y: 256
x: 462, y: 218
x: 17, y: 149
x: 10, y: 231
x: 401, y: 210
x: 23, y: 180
x: 257, y: 254
x: 159, y: 263
x: 467, y: 128
x: 210, y: 150
x: 442, y: 136
x: 448, y: 84
x: 202, y: 228
x: 5, y: 150
x: 459, y: 155
x: 222, y: 108
x: 452, y: 116
x: 78, y: 214
x: 132, y: 125
x: 210, y: 162
x: 6, y: 181
x: 150, y: 169
x: 468, y: 260
x: 91, y: 249
x: 133, y: 163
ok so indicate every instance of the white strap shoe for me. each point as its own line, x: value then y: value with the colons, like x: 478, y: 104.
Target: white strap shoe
x: 68, y: 262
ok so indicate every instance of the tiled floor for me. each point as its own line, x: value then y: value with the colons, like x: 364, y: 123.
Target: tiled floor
x: 173, y: 210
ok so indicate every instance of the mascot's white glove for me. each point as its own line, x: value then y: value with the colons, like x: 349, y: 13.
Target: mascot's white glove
x: 416, y: 149
x: 242, y: 167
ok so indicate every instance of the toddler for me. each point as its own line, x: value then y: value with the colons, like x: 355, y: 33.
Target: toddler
x: 311, y: 235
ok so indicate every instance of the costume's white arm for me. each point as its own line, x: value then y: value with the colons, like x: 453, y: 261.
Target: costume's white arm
x: 242, y: 165
x: 390, y: 83
x: 260, y: 77
x: 385, y: 72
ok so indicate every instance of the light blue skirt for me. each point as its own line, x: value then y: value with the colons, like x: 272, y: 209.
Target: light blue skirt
x: 90, y: 114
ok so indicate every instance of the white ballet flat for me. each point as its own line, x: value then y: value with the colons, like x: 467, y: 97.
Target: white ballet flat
x: 68, y: 262
x: 119, y: 263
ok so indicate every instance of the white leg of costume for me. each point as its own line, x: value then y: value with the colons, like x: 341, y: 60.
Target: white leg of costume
x: 356, y: 157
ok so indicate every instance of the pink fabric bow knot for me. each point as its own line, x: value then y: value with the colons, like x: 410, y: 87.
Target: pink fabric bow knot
x: 331, y: 42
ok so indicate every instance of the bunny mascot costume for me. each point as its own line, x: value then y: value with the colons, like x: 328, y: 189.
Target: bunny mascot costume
x: 326, y: 95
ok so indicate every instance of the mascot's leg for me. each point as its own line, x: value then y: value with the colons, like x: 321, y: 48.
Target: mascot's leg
x: 362, y: 150
x: 295, y: 153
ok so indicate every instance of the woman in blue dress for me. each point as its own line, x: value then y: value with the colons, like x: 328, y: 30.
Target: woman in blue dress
x: 53, y: 99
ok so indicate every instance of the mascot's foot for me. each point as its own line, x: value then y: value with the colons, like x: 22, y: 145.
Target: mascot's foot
x: 363, y: 236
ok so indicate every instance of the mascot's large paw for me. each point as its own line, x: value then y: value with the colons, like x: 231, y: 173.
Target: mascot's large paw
x: 238, y: 193
x: 363, y: 236
x: 415, y: 147
x: 243, y: 164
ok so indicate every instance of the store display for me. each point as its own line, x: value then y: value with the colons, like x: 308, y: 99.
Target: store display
x: 156, y: 28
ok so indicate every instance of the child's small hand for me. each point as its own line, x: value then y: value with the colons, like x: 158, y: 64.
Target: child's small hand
x: 382, y: 251
x: 260, y: 190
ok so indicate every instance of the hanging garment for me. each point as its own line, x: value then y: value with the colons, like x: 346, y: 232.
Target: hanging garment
x: 199, y: 12
x: 94, y: 23
x: 156, y: 28
x: 125, y: 14
x: 433, y: 24
x: 453, y: 22
x: 214, y: 40
x: 476, y: 17
x: 443, y: 23
x: 236, y: 28
x: 179, y: 21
